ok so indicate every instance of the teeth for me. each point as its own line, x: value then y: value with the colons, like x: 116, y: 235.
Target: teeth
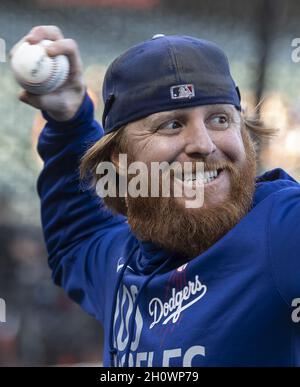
x: 206, y: 178
x: 210, y: 174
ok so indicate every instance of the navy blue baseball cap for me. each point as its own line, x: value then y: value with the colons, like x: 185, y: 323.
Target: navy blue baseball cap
x: 166, y: 73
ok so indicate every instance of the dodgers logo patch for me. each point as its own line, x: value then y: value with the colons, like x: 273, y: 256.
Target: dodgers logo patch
x: 182, y: 91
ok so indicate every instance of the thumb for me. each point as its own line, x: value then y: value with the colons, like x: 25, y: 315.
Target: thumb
x: 30, y: 99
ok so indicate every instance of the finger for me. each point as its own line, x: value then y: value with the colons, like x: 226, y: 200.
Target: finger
x: 30, y: 99
x: 44, y: 32
x: 37, y: 34
x: 41, y: 101
x: 69, y: 48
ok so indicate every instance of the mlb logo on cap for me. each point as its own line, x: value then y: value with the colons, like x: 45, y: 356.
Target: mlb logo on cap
x: 182, y: 91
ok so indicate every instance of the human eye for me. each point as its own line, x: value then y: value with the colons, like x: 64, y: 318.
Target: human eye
x: 170, y: 126
x: 218, y: 121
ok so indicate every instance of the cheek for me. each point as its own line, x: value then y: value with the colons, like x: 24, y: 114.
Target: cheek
x: 232, y: 145
x: 156, y: 148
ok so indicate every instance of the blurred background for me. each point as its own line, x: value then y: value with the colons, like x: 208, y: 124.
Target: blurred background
x: 43, y: 327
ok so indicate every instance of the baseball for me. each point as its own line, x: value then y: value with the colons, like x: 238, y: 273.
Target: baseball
x: 37, y: 72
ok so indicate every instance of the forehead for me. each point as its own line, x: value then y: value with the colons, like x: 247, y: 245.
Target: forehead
x: 186, y: 112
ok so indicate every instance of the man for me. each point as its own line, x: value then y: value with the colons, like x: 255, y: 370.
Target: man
x: 213, y: 285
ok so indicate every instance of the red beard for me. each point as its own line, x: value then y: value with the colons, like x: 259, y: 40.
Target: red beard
x: 168, y: 224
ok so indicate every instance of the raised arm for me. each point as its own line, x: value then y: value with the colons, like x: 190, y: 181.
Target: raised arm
x: 80, y: 234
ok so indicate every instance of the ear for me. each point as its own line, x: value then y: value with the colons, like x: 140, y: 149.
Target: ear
x: 120, y: 162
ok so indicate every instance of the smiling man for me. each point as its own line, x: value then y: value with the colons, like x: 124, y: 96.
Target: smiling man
x: 212, y: 134
x: 172, y: 286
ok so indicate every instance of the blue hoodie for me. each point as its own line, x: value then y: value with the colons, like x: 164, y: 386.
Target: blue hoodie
x: 230, y: 306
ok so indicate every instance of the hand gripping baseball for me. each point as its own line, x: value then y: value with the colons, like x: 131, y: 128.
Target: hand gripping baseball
x: 60, y: 103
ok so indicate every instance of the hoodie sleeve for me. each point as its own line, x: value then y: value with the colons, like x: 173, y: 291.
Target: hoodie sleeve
x: 80, y: 234
x: 284, y: 242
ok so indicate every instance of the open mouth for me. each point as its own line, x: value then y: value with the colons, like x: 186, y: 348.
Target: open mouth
x: 200, y: 178
x: 210, y: 176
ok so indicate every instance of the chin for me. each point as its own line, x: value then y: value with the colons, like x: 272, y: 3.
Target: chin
x: 210, y: 201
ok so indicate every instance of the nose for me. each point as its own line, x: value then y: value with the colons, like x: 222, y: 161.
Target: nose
x: 198, y: 142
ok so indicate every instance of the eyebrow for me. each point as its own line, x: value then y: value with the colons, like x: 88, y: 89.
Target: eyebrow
x: 182, y: 113
x: 150, y: 120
